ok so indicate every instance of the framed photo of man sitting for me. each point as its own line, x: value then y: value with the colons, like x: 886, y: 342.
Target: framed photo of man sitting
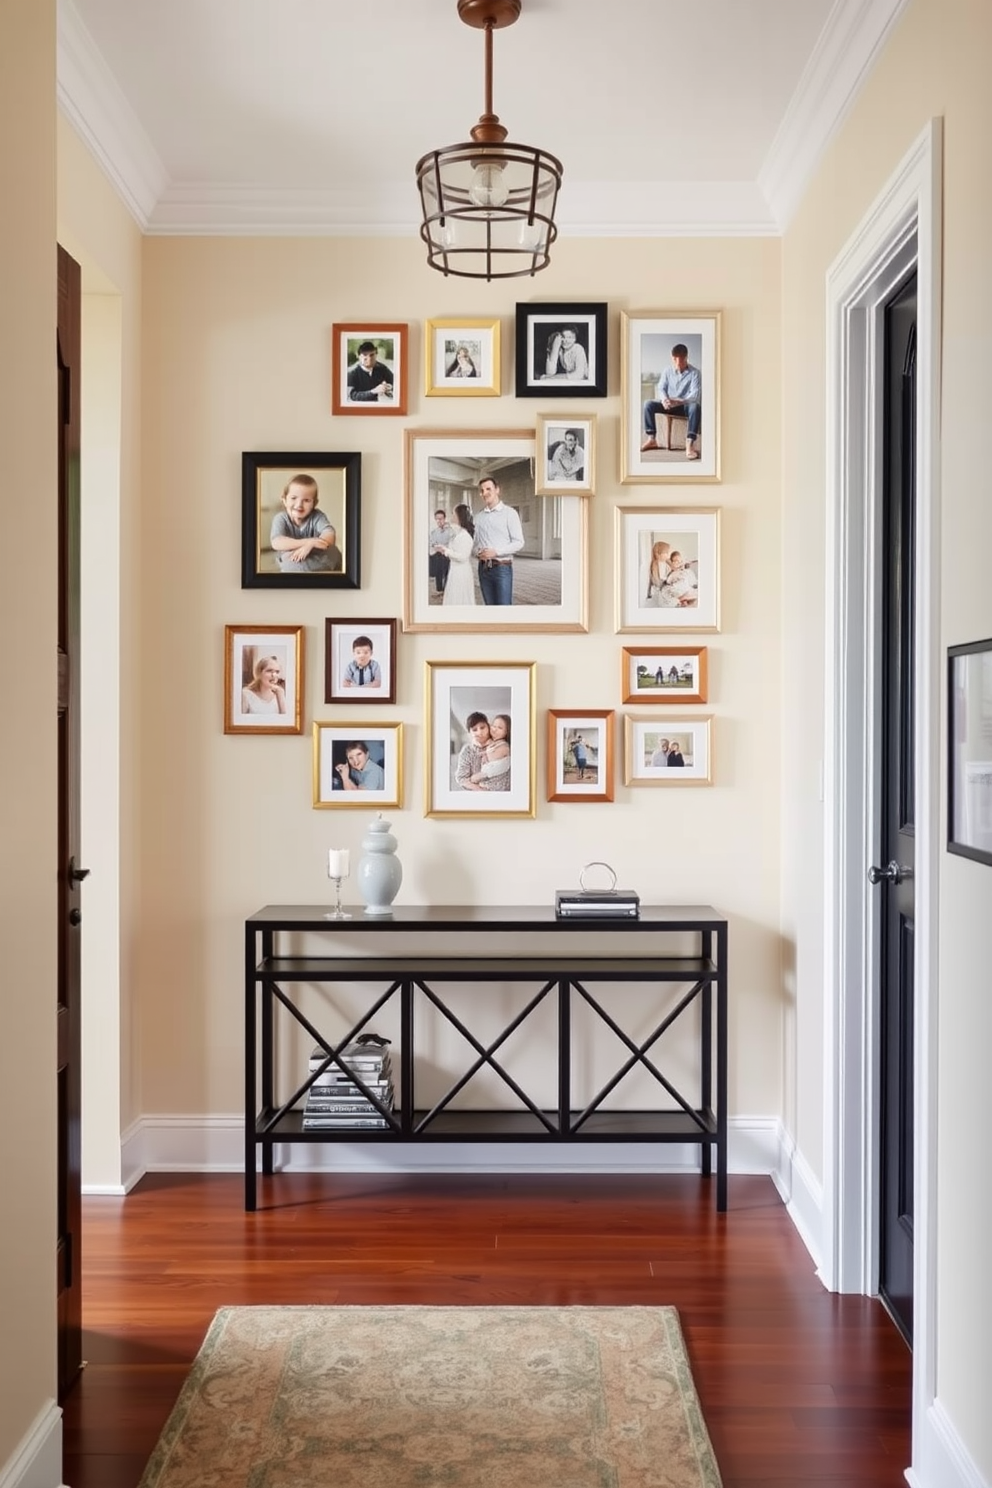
x: 670, y: 397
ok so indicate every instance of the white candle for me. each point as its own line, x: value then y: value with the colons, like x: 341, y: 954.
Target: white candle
x: 337, y: 862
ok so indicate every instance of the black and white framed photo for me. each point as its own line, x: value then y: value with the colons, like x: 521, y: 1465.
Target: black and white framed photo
x: 670, y: 397
x: 480, y: 745
x: 462, y: 358
x: 566, y: 453
x: 672, y: 751
x: 668, y: 568
x: 969, y: 755
x: 561, y: 351
x: 360, y: 661
x: 357, y: 765
x: 263, y: 679
x: 301, y: 520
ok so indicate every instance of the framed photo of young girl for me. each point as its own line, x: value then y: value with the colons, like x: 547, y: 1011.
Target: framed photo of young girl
x: 480, y: 755
x: 369, y: 368
x: 360, y: 661
x: 670, y: 397
x: 677, y: 753
x: 566, y: 455
x: 561, y: 351
x: 668, y: 568
x: 663, y: 674
x: 357, y: 765
x: 462, y: 359
x: 580, y: 755
x: 301, y: 520
x: 263, y: 679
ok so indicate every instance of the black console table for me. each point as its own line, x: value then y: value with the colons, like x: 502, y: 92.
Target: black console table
x: 633, y: 956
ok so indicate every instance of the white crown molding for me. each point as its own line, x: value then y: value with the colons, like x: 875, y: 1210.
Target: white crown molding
x: 845, y: 53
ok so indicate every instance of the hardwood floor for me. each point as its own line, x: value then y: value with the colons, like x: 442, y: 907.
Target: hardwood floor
x: 798, y: 1387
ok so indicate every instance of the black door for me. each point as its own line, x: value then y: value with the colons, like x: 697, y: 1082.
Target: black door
x: 895, y: 873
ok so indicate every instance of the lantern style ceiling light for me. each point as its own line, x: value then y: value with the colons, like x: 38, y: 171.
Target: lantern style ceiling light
x: 488, y: 205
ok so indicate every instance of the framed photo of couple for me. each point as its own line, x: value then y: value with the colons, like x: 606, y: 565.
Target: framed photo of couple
x: 462, y: 359
x: 670, y: 396
x: 561, y: 351
x: 668, y: 569
x: 357, y: 765
x: 263, y: 679
x: 480, y: 757
x: 674, y: 751
x: 482, y: 550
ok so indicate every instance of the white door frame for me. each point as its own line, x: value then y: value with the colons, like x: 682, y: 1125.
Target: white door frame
x: 904, y: 224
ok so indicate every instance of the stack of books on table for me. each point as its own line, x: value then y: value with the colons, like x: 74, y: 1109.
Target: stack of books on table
x: 335, y: 1101
x: 597, y: 904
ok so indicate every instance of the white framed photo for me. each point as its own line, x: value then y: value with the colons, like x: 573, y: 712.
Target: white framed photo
x: 669, y: 751
x: 357, y: 765
x: 668, y: 568
x: 670, y: 396
x: 566, y: 453
x: 480, y: 755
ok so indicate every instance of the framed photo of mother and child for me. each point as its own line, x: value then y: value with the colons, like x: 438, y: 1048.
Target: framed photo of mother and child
x: 669, y: 396
x: 301, y: 520
x: 480, y: 756
x: 263, y: 679
x: 668, y: 569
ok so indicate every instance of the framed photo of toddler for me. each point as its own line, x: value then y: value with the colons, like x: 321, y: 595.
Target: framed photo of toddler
x: 670, y: 396
x: 462, y: 359
x: 263, y: 679
x: 561, y: 351
x: 677, y: 753
x: 480, y: 739
x: 663, y: 674
x: 360, y: 661
x: 566, y: 455
x: 369, y: 368
x: 580, y: 755
x: 357, y: 765
x: 301, y: 520
x: 668, y: 569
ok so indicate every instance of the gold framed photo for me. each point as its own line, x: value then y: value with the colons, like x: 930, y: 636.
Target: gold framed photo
x: 670, y: 396
x: 580, y: 754
x: 462, y: 358
x: 566, y: 455
x: 663, y: 674
x: 670, y: 751
x: 357, y: 765
x: 668, y: 568
x: 480, y: 757
x: 263, y: 679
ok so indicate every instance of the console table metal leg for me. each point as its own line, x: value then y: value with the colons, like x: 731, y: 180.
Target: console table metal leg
x: 250, y: 1055
x: 268, y: 1052
x: 721, y: 1070
x: 564, y: 1057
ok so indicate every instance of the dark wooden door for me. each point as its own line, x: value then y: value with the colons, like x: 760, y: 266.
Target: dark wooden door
x: 70, y: 875
x: 895, y: 873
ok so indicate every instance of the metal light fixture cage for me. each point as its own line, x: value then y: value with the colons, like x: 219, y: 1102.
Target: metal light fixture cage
x: 488, y: 205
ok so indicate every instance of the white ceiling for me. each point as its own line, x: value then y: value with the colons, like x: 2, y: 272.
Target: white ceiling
x: 308, y: 116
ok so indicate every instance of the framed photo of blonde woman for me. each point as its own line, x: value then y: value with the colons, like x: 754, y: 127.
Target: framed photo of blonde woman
x: 263, y: 679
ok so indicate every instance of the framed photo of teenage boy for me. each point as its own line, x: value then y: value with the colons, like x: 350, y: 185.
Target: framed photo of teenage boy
x: 360, y: 661
x: 561, y: 351
x: 301, y: 520
x: 369, y: 368
x: 357, y: 765
x: 263, y: 679
x: 670, y: 397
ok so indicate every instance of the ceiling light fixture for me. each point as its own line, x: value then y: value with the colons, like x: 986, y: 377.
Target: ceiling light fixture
x: 488, y: 205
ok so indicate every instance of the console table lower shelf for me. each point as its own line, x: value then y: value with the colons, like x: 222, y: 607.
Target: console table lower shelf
x: 567, y: 979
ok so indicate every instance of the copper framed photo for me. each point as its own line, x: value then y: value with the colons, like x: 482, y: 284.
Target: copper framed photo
x: 263, y: 679
x: 301, y: 520
x: 580, y: 754
x: 663, y: 674
x: 670, y: 396
x: 369, y: 368
x: 672, y: 751
x: 360, y: 661
x: 357, y: 765
x: 462, y: 358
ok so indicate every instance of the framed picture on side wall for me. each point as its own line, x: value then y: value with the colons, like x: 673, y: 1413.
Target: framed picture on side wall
x: 301, y: 520
x: 670, y: 396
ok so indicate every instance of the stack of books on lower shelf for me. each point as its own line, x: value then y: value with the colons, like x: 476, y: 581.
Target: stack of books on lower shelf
x: 335, y: 1101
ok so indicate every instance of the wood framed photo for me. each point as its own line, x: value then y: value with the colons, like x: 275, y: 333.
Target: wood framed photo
x: 480, y: 739
x: 360, y: 661
x: 301, y: 520
x: 561, y: 351
x: 663, y: 674
x: 357, y: 765
x: 263, y: 679
x: 670, y: 396
x: 566, y: 455
x: 369, y: 368
x: 580, y: 754
x: 969, y: 751
x: 672, y: 751
x: 668, y: 568
x: 483, y: 550
x: 462, y: 358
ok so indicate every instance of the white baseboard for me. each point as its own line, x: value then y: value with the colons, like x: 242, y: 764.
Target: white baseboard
x: 944, y: 1461
x: 802, y: 1194
x: 37, y: 1462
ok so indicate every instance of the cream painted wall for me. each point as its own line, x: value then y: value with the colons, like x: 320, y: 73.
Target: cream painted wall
x: 236, y: 356
x: 28, y: 413
x: 934, y: 64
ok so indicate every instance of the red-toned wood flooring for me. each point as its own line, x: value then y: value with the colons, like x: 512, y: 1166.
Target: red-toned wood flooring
x: 800, y: 1388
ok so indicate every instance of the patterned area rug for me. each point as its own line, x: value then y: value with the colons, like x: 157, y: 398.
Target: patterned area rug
x: 461, y: 1397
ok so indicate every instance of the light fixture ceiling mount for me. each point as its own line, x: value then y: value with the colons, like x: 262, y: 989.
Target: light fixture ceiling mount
x: 488, y: 204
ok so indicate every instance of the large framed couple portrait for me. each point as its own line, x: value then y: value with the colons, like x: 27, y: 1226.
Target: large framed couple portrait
x: 670, y: 397
x: 480, y: 739
x: 483, y: 551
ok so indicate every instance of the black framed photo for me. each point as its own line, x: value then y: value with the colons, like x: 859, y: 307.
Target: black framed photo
x: 360, y: 661
x: 301, y: 520
x: 969, y: 753
x: 561, y: 351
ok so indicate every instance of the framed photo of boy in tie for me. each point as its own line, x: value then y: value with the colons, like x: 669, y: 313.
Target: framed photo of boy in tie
x: 360, y: 661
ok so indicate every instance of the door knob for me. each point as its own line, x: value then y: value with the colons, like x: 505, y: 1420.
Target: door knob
x: 76, y: 875
x: 75, y: 916
x: 892, y: 873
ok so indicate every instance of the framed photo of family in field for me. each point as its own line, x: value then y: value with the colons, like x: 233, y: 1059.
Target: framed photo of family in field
x: 663, y: 674
x: 483, y: 551
x: 263, y: 679
x: 369, y: 368
x: 301, y: 520
x: 357, y: 765
x: 670, y: 396
x: 462, y: 358
x: 668, y: 568
x: 480, y: 757
x: 673, y: 751
x: 580, y: 755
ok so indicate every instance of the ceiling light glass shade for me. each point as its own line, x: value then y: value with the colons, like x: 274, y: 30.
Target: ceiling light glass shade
x: 488, y: 210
